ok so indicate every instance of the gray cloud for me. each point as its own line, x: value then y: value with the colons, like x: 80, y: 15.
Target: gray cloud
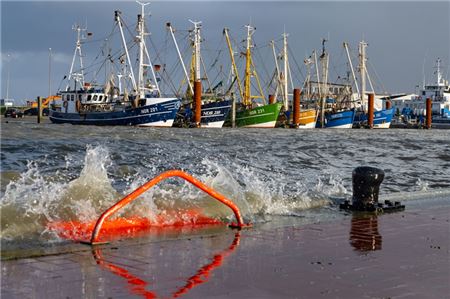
x: 400, y: 34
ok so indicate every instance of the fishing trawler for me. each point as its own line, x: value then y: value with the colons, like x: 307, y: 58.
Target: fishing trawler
x: 251, y: 114
x: 214, y: 108
x: 307, y: 116
x: 334, y: 100
x: 89, y: 103
x: 382, y: 118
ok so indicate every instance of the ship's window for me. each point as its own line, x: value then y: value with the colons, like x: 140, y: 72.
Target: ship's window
x: 100, y: 98
x: 423, y: 92
x: 79, y: 97
x: 95, y: 98
x: 89, y: 98
x: 72, y: 97
x: 106, y: 98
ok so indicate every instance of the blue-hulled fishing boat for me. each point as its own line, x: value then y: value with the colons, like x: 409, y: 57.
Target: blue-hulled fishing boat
x: 94, y: 104
x: 338, y: 120
x: 382, y: 119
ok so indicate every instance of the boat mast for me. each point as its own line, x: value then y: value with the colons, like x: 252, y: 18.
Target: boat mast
x: 248, y: 64
x: 322, y: 112
x: 324, y: 59
x: 119, y: 22
x: 362, y: 70
x: 233, y: 63
x: 440, y: 81
x: 277, y: 68
x: 143, y: 49
x: 140, y: 27
x: 77, y: 76
x: 169, y: 26
x: 307, y: 84
x: 196, y: 50
x: 285, y: 80
x: 351, y: 67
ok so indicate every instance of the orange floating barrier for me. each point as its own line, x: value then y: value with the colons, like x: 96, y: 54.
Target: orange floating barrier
x: 120, y: 227
x: 131, y: 226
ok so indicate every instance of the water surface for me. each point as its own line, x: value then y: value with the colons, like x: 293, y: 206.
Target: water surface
x: 64, y: 172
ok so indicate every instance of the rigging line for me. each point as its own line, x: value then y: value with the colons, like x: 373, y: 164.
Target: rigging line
x: 258, y: 53
x: 303, y: 77
x: 333, y: 68
x: 378, y: 78
x: 169, y: 81
x: 205, y: 73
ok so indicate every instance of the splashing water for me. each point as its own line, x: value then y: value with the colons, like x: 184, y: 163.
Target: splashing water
x: 33, y: 201
x: 61, y: 173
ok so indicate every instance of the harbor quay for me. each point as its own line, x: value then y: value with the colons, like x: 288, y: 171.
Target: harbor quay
x: 398, y: 255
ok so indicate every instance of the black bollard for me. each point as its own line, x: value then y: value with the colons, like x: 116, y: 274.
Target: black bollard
x: 366, y: 186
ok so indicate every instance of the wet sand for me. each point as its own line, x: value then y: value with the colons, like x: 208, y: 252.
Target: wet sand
x: 400, y: 255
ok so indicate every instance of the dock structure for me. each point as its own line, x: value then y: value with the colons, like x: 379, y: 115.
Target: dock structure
x: 385, y: 256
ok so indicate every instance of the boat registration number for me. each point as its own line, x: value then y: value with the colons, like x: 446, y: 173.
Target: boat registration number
x: 149, y: 110
x: 256, y: 111
x: 209, y: 113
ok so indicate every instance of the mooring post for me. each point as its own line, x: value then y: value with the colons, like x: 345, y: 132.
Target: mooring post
x: 366, y: 187
x: 296, y: 108
x: 233, y: 111
x: 388, y: 104
x: 370, y: 111
x: 39, y: 114
x: 429, y: 106
x: 198, y: 102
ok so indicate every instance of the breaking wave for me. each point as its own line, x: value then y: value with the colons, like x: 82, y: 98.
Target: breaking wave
x: 33, y: 200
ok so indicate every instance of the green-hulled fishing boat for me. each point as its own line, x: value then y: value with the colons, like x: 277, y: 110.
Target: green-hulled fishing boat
x: 251, y: 114
x: 259, y: 117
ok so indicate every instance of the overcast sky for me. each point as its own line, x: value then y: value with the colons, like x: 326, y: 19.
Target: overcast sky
x: 401, y: 35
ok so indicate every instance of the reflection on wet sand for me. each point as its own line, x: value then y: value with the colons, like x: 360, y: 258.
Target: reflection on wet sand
x: 138, y: 286
x: 364, y: 235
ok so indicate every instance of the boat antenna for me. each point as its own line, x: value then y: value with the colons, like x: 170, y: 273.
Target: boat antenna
x: 423, y: 69
x: 7, y: 79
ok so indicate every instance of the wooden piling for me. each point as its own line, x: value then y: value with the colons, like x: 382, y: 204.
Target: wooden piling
x: 429, y: 113
x: 233, y: 111
x: 271, y: 99
x: 39, y: 114
x: 388, y: 104
x: 198, y: 102
x: 296, y: 108
x: 370, y: 112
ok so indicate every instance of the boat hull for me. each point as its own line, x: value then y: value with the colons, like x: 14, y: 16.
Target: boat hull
x: 259, y: 117
x: 214, y: 114
x: 161, y: 114
x: 339, y: 120
x: 382, y: 119
x: 308, y: 119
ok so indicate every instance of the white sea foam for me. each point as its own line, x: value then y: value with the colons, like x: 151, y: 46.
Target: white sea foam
x: 32, y: 201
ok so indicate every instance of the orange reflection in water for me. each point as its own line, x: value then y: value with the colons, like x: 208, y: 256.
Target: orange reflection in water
x: 138, y: 286
x: 364, y: 235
